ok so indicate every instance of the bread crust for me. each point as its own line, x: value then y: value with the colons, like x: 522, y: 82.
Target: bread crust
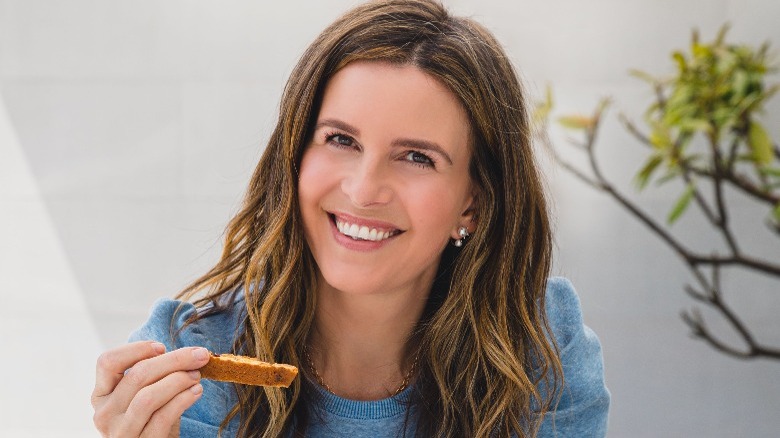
x: 248, y: 371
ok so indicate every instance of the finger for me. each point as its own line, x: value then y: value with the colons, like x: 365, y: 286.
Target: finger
x: 168, y: 417
x: 151, y: 370
x: 112, y: 364
x: 156, y: 396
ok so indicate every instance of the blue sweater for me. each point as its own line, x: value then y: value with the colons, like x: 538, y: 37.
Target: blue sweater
x: 581, y: 412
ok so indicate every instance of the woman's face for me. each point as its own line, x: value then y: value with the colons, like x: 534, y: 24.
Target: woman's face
x: 384, y: 182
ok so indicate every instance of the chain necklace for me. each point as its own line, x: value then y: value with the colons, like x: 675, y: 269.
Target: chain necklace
x: 404, y: 383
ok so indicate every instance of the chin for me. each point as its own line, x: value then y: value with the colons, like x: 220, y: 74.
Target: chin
x: 348, y: 285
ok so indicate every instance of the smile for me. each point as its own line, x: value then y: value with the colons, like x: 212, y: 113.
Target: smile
x: 363, y: 232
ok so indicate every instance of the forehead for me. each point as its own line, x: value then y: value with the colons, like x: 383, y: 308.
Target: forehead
x: 396, y: 98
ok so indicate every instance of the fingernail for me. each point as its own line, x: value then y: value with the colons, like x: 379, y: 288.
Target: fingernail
x: 158, y: 347
x: 194, y: 375
x: 197, y: 388
x: 200, y: 353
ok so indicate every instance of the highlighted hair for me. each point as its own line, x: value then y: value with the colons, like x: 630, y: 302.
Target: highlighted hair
x: 484, y: 338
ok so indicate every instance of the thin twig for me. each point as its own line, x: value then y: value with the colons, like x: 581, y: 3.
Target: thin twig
x: 713, y: 297
x: 699, y: 330
x: 723, y: 218
x: 700, y: 201
x: 741, y: 182
x: 631, y: 128
x: 733, y: 152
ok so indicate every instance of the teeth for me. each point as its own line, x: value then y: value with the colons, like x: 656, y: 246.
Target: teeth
x: 363, y: 233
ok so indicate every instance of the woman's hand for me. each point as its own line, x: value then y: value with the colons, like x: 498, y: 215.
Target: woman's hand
x: 141, y: 391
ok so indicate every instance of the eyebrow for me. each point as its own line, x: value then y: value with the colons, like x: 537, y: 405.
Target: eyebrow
x: 338, y: 124
x: 398, y: 142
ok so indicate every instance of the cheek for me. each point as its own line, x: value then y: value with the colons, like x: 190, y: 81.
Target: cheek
x: 436, y: 208
x: 305, y: 175
x: 309, y: 191
x: 312, y: 177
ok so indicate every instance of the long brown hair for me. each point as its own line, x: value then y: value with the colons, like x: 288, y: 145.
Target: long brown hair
x: 485, y: 342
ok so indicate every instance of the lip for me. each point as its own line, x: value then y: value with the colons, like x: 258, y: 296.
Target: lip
x: 370, y: 223
x: 361, y: 245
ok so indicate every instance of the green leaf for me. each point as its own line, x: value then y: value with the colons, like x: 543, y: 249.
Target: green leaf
x: 722, y: 34
x: 576, y: 122
x: 682, y: 203
x: 660, y: 137
x: 741, y: 83
x: 670, y: 175
x: 647, y: 171
x: 682, y: 65
x: 639, y: 74
x: 695, y: 125
x: 749, y: 103
x: 770, y: 171
x: 760, y: 143
x: 602, y: 106
x: 543, y: 108
x: 548, y: 94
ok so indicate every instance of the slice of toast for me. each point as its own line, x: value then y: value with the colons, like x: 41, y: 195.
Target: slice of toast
x: 248, y: 371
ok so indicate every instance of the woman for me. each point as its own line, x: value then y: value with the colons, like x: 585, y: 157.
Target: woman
x: 394, y: 244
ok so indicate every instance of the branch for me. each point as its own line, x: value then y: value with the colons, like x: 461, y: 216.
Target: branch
x: 705, y: 208
x: 739, y: 260
x: 739, y: 181
x: 633, y: 130
x: 598, y: 181
x: 742, y: 183
x: 712, y: 296
x: 700, y: 330
x: 710, y: 293
x: 733, y: 152
x: 723, y: 219
x: 720, y: 221
x: 642, y: 138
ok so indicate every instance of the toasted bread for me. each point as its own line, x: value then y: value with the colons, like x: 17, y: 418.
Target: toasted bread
x: 248, y: 371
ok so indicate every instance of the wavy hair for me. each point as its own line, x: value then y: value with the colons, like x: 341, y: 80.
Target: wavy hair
x: 486, y: 348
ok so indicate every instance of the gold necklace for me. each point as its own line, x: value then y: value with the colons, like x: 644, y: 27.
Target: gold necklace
x: 404, y: 383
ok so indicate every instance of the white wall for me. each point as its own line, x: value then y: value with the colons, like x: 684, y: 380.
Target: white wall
x: 128, y: 131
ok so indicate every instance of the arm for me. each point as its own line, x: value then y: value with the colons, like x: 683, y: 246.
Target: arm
x: 584, y: 400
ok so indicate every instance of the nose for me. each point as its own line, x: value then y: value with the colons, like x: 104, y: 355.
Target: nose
x: 367, y: 184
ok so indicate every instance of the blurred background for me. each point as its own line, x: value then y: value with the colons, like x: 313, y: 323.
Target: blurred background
x: 128, y: 130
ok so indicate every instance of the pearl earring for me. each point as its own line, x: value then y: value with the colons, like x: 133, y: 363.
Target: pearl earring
x: 463, y: 232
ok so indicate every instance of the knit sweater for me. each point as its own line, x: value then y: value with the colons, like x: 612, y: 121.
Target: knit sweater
x: 581, y: 412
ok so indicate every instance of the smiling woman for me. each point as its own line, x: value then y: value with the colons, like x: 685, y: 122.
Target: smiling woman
x: 394, y: 244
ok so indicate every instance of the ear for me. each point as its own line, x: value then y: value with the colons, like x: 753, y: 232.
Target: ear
x: 468, y: 217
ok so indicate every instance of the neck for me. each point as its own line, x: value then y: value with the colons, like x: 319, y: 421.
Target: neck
x: 360, y: 343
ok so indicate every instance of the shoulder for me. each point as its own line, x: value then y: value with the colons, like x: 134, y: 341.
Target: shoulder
x: 584, y: 401
x: 166, y: 324
x: 562, y: 305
